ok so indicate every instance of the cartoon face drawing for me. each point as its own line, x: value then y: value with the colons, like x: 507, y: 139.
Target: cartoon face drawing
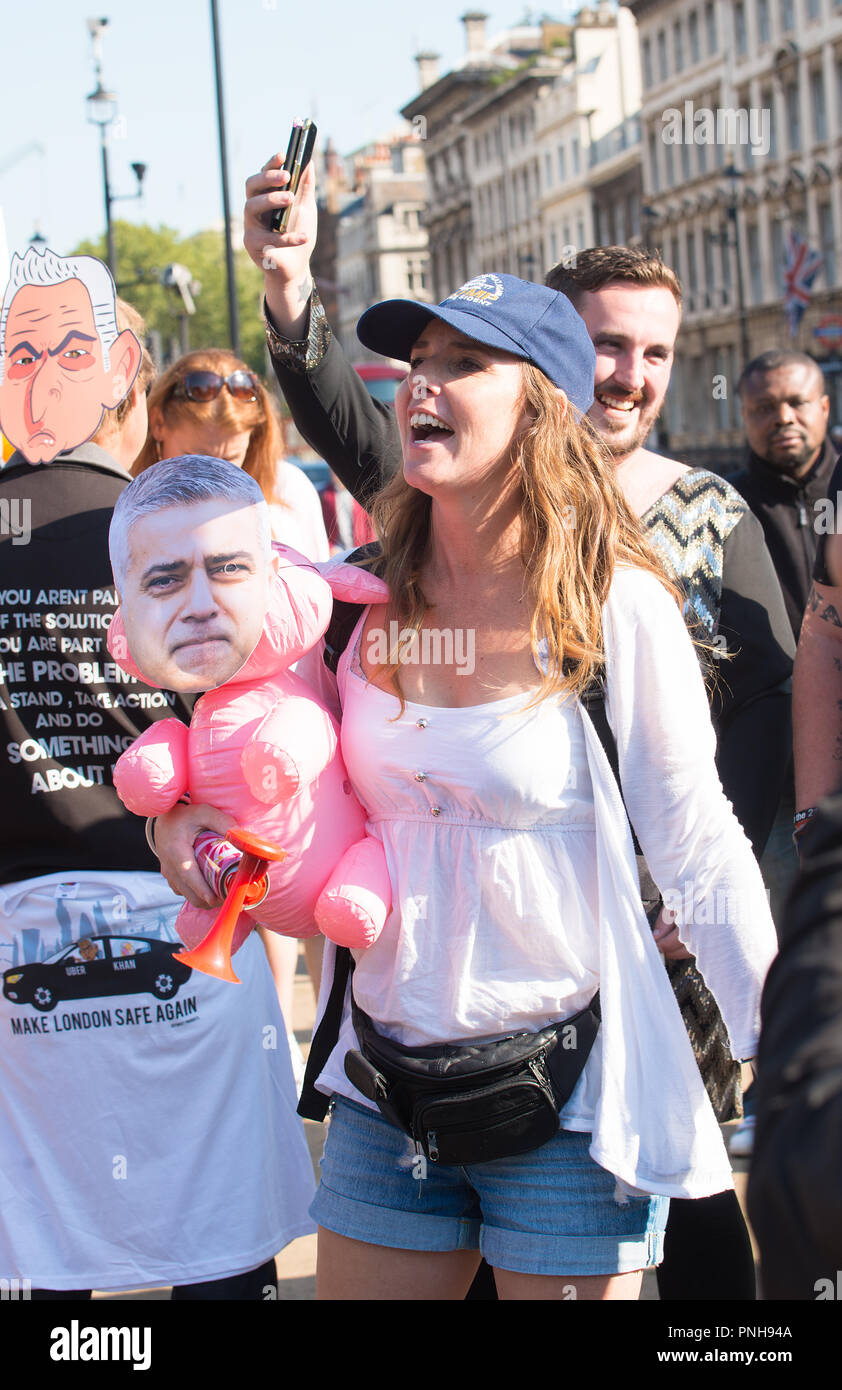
x: 62, y: 361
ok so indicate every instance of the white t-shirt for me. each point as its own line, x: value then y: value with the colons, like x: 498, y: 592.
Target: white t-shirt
x: 299, y: 521
x: 148, y: 1132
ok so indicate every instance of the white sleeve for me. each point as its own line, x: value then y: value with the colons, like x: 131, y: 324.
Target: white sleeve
x: 696, y: 849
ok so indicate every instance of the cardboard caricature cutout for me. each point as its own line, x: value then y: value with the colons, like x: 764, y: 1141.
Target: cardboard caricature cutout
x: 63, y: 360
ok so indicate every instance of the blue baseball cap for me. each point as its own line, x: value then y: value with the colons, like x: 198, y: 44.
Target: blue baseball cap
x: 531, y: 321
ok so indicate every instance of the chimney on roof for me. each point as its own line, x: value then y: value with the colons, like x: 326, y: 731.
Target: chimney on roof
x: 474, y: 22
x: 428, y: 69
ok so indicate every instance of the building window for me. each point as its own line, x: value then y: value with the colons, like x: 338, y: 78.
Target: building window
x: 817, y: 97
x: 685, y: 163
x: 814, y: 9
x: 828, y: 244
x: 707, y: 245
x: 692, y: 277
x: 653, y: 163
x: 622, y: 224
x: 646, y: 59
x: 663, y: 68
x: 740, y: 37
x: 678, y: 46
x: 669, y: 167
x: 755, y: 268
x: 710, y: 27
x: 693, y: 36
x: 726, y: 270
x: 674, y: 261
x: 576, y: 160
x: 787, y: 14
x: 778, y: 253
x: 553, y: 246
x: 702, y: 158
x: 767, y: 100
x: 548, y: 170
x: 793, y: 118
x: 562, y: 164
x: 580, y: 232
x: 764, y: 30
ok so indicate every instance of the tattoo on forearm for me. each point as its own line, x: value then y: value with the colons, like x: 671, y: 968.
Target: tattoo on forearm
x: 304, y: 294
x: 830, y: 613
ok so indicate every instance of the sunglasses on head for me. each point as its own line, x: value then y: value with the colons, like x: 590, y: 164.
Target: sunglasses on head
x: 206, y: 386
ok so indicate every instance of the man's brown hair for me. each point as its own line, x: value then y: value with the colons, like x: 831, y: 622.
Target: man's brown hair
x: 599, y: 266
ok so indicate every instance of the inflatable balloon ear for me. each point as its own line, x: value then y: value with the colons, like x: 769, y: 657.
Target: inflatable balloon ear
x: 261, y: 747
x: 63, y: 360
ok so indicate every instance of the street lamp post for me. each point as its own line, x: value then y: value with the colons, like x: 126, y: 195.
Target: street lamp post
x: 102, y: 108
x: 230, y: 269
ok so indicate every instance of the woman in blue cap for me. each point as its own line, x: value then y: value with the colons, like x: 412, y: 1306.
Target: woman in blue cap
x: 518, y: 576
x: 478, y: 1103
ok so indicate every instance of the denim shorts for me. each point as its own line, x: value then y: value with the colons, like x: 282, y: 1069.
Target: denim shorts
x: 551, y: 1211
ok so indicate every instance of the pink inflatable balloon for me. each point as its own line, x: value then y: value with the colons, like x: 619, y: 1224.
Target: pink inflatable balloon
x: 264, y: 749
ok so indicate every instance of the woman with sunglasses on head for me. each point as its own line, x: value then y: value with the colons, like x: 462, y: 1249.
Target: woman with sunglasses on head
x: 209, y: 402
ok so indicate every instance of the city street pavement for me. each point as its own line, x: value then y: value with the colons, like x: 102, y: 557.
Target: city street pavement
x: 296, y: 1264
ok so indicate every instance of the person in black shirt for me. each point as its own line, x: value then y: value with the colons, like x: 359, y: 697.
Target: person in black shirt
x: 790, y: 460
x: 74, y: 865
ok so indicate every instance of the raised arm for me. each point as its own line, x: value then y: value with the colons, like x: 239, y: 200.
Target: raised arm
x: 356, y: 435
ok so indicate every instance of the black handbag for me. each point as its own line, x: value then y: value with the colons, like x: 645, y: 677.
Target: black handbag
x: 469, y: 1102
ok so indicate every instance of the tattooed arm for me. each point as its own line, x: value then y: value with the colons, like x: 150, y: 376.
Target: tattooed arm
x: 817, y: 690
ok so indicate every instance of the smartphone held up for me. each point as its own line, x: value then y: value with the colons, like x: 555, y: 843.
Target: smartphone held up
x: 299, y: 153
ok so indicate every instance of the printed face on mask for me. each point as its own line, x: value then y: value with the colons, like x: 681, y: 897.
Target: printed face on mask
x: 195, y: 593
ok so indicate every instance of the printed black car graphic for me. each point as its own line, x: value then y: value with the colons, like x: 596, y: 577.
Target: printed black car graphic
x: 98, y: 965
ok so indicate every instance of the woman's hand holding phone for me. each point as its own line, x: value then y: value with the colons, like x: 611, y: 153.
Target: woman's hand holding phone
x: 284, y: 257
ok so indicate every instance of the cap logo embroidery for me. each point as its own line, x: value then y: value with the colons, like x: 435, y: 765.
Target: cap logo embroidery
x: 483, y: 289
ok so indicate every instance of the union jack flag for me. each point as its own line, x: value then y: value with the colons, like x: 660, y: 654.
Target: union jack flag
x: 801, y: 266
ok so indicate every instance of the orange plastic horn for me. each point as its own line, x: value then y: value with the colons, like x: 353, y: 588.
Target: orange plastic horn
x: 212, y: 956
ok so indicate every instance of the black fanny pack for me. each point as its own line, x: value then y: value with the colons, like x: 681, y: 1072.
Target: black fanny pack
x: 474, y: 1102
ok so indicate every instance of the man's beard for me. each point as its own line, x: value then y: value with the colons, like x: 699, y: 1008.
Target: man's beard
x: 792, y: 462
x: 618, y: 444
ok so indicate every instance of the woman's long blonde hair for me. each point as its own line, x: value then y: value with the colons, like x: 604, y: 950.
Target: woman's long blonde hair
x: 258, y: 417
x: 575, y: 528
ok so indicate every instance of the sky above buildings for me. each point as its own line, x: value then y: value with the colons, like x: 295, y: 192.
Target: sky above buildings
x: 349, y: 64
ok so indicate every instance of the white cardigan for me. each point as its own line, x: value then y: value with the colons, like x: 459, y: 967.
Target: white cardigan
x: 653, y: 1127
